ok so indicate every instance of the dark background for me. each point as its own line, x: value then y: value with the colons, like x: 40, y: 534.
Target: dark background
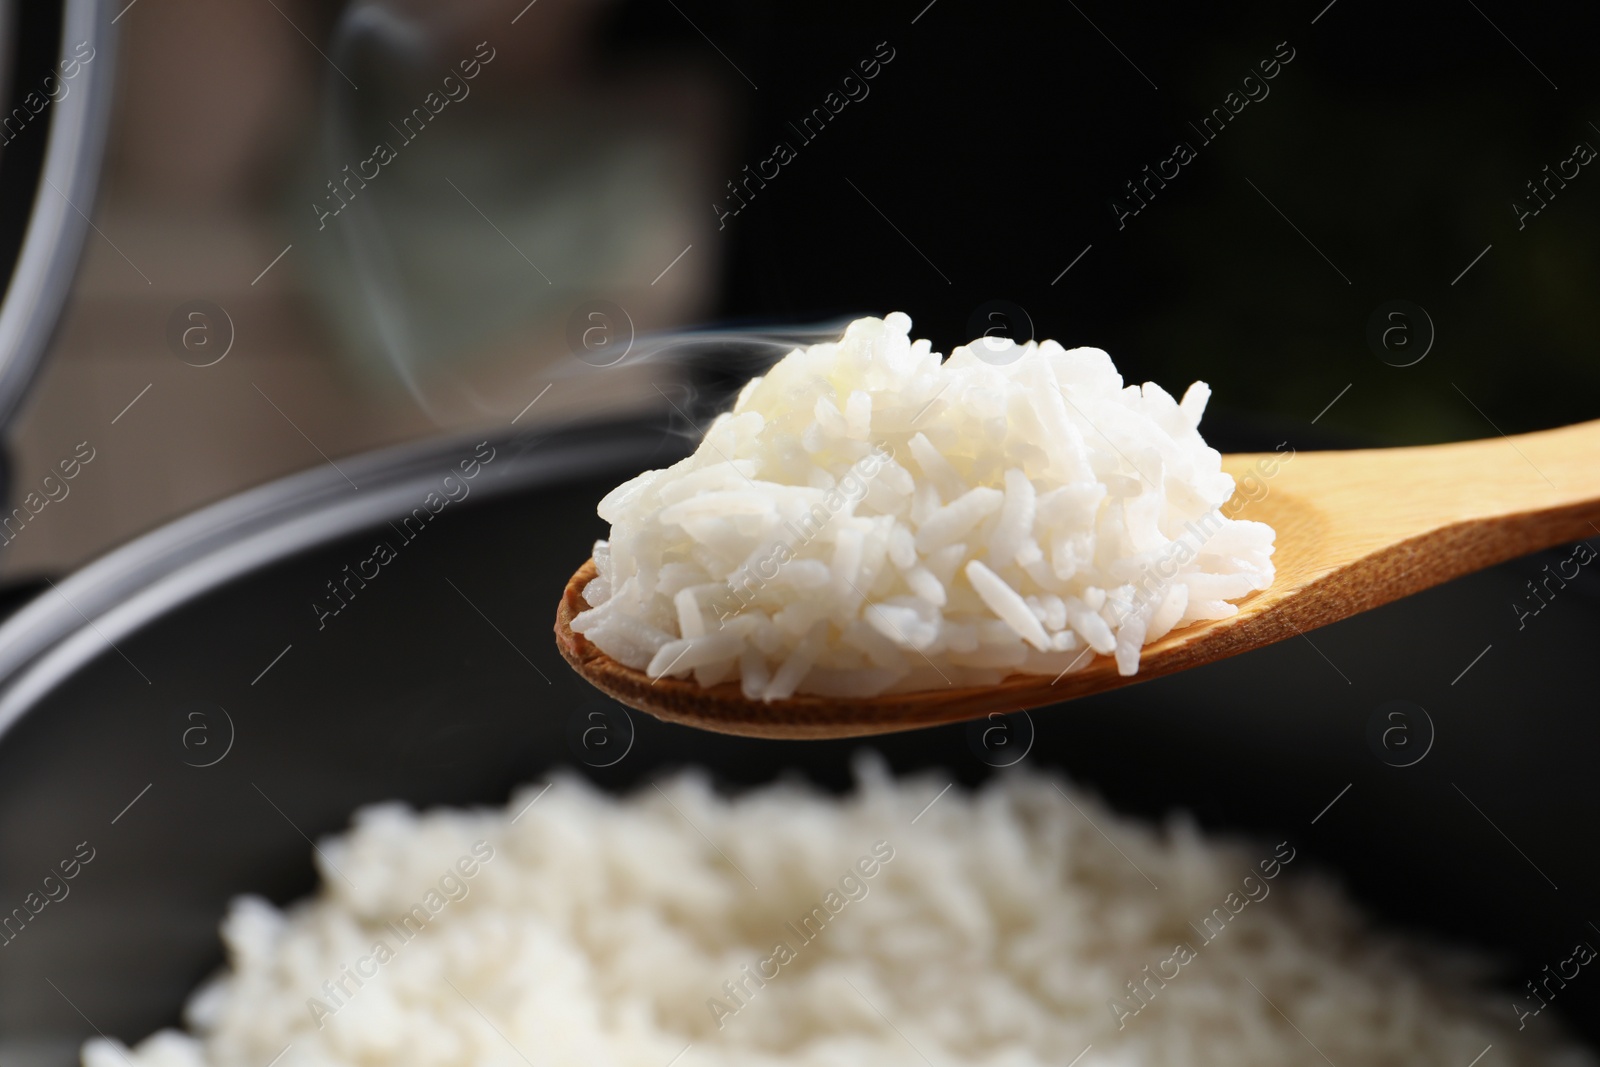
x: 1396, y: 141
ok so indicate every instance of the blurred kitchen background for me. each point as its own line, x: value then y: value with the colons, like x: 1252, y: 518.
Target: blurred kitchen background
x: 560, y: 178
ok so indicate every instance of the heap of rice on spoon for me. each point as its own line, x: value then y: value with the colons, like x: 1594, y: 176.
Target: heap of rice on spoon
x: 872, y: 518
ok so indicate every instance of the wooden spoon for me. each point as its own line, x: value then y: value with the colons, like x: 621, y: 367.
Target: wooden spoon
x: 1355, y: 530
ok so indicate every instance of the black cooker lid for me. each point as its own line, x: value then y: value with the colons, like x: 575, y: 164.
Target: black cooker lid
x: 56, y: 73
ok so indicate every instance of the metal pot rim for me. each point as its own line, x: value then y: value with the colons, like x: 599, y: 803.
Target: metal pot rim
x: 53, y: 635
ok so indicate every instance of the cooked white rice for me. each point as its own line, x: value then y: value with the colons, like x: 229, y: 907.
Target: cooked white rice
x: 870, y: 519
x: 994, y: 929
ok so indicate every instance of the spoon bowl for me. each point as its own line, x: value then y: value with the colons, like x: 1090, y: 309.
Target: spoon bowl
x: 1355, y: 530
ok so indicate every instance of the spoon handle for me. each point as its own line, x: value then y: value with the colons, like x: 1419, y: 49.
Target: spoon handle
x: 1384, y: 523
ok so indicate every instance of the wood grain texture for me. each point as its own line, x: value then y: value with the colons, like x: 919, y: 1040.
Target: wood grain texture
x: 1355, y: 530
